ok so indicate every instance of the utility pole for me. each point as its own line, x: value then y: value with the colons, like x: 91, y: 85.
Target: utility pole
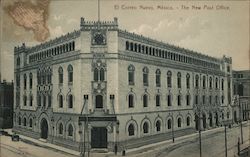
x: 172, y: 127
x: 200, y: 134
x: 241, y: 119
x: 225, y: 140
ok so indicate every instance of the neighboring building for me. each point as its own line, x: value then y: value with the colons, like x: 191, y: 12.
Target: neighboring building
x: 6, y: 104
x: 111, y: 87
x: 241, y: 88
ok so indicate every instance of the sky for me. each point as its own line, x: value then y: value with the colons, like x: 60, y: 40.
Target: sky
x: 214, y: 28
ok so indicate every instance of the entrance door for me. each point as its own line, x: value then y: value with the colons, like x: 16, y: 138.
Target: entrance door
x: 99, y: 101
x: 99, y: 137
x: 44, y: 129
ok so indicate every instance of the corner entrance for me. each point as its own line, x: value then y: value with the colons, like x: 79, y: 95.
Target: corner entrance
x: 44, y: 129
x: 99, y: 137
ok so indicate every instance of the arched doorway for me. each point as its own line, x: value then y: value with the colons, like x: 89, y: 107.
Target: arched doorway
x: 44, y: 128
x: 99, y: 101
x: 204, y: 118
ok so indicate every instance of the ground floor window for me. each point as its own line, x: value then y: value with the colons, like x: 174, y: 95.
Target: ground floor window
x: 145, y: 128
x: 131, y: 130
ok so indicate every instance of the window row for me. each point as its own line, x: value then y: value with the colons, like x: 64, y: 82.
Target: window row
x: 52, y: 52
x: 145, y: 76
x: 25, y: 100
x: 24, y: 122
x: 209, y: 99
x: 130, y: 46
x: 145, y: 100
x: 132, y: 127
x: 70, y: 129
x: 69, y: 99
x: 43, y: 100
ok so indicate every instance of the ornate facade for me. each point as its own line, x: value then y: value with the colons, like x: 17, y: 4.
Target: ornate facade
x: 103, y: 87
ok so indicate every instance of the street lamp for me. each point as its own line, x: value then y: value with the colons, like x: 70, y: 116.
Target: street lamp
x: 172, y: 127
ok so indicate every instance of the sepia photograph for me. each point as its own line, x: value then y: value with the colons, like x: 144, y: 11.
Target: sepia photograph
x: 136, y: 78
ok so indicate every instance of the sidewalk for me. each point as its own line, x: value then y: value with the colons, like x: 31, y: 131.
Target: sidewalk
x: 140, y: 150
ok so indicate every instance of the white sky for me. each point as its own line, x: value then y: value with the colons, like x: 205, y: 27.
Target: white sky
x: 212, y: 32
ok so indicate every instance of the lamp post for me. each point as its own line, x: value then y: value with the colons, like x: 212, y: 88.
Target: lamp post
x: 172, y: 127
x: 226, y: 123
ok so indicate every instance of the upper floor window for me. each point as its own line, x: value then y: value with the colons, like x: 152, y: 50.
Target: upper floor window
x: 31, y: 100
x: 25, y: 100
x: 158, y: 78
x: 60, y: 101
x: 145, y: 76
x: 210, y: 82
x: 24, y: 81
x: 18, y: 61
x: 70, y: 74
x: 197, y: 81
x: 60, y: 73
x: 99, y: 74
x: 169, y: 79
x: 203, y: 99
x: 31, y: 80
x: 210, y: 99
x: 127, y: 45
x: 179, y: 100
x: 130, y: 100
x: 188, y: 81
x: 179, y: 80
x: 196, y: 99
x: 222, y: 99
x: 158, y: 100
x: 145, y: 100
x: 49, y: 100
x: 131, y: 75
x: 216, y: 83
x: 188, y: 100
x: 204, y: 82
x: 70, y: 101
x: 169, y: 100
x: 222, y: 84
x: 17, y: 80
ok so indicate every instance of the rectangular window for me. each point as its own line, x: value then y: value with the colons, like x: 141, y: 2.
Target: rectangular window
x: 203, y: 99
x: 158, y: 100
x: 169, y: 100
x: 179, y: 100
x: 179, y: 82
x: 131, y: 78
x: 196, y: 99
x: 188, y: 100
x: 158, y: 80
x: 145, y: 79
x: 169, y: 81
x: 49, y: 100
x: 60, y: 78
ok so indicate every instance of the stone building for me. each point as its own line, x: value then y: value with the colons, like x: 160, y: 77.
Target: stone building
x: 241, y: 91
x: 101, y: 86
x: 6, y: 104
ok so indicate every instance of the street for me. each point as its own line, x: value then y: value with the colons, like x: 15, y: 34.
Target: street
x: 213, y: 145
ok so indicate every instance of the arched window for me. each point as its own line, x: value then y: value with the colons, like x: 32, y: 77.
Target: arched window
x: 24, y: 81
x: 131, y: 100
x: 210, y: 99
x: 19, y: 121
x: 222, y: 84
x: 60, y: 75
x: 102, y: 74
x: 131, y: 75
x: 70, y: 130
x: 188, y: 100
x: 60, y: 129
x: 60, y: 101
x: 31, y: 100
x: 31, y: 80
x: 179, y: 100
x: 127, y: 45
x: 169, y: 124
x: 158, y: 78
x: 169, y: 100
x: 158, y: 126
x: 179, y: 80
x: 222, y: 99
x: 188, y: 121
x: 131, y: 130
x: 96, y: 74
x: 31, y: 122
x: 204, y: 82
x: 131, y: 46
x: 145, y: 76
x: 179, y: 122
x: 197, y: 81
x: 25, y: 100
x: 73, y: 45
x: 70, y: 101
x: 145, y: 100
x: 216, y: 83
x: 24, y: 121
x: 70, y: 74
x: 158, y: 100
x: 169, y: 79
x: 210, y: 82
x: 145, y: 128
x: 188, y: 81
